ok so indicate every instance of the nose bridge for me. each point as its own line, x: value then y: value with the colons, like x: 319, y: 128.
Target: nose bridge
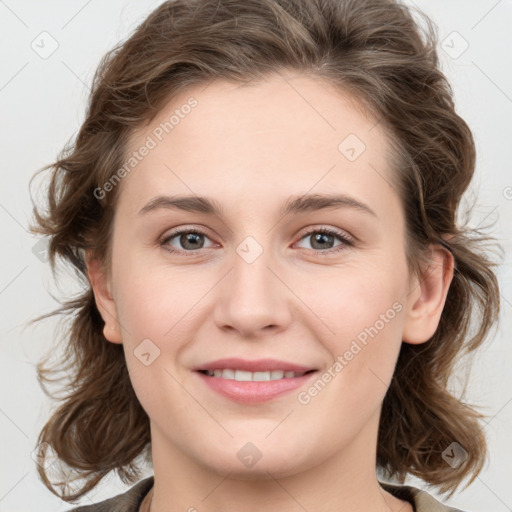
x: 251, y: 270
x: 254, y: 298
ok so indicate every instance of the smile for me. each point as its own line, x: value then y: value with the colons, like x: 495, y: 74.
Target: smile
x: 253, y: 382
x: 246, y: 376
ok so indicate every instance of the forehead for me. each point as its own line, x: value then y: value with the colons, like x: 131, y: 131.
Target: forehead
x: 288, y: 134
x: 304, y: 107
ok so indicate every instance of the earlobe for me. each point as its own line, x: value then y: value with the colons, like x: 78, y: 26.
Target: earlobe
x: 104, y: 300
x: 427, y: 297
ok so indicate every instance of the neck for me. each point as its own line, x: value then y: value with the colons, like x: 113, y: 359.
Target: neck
x: 346, y: 481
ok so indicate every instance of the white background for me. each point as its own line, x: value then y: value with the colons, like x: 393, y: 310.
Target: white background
x: 42, y: 104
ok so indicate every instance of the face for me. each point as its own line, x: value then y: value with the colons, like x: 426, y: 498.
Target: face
x: 291, y: 267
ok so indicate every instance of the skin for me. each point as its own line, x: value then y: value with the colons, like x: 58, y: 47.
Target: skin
x: 251, y: 148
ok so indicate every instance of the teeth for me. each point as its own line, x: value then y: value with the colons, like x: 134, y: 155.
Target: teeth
x: 227, y: 374
x: 242, y: 375
x: 245, y: 376
x: 261, y: 376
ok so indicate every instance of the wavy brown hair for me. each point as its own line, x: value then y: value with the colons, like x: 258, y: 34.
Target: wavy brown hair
x: 375, y: 50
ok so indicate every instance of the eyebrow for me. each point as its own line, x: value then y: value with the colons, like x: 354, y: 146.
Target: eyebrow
x: 301, y: 204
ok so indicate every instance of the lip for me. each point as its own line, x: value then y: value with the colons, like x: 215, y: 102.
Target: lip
x: 254, y: 392
x: 259, y: 365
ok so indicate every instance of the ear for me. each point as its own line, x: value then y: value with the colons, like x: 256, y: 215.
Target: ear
x: 427, y: 296
x: 101, y: 287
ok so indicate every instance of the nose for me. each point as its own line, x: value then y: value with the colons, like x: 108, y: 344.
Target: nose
x: 253, y: 301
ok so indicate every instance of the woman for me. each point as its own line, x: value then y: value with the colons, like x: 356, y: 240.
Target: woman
x: 262, y: 202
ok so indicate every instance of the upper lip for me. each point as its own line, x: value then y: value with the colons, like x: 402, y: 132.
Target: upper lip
x: 258, y: 365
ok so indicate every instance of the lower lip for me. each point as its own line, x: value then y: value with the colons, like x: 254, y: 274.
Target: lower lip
x: 251, y: 392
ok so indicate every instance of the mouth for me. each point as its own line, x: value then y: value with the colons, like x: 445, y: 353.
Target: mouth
x: 253, y: 382
x: 246, y: 376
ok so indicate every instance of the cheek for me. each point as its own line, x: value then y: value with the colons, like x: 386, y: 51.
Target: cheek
x: 366, y: 316
x: 358, y: 299
x: 368, y: 322
x: 152, y: 298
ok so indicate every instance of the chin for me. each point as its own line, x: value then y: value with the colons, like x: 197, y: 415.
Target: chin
x: 252, y: 463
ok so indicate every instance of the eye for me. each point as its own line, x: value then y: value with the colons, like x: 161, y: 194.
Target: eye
x: 322, y: 240
x: 185, y: 240
x: 190, y: 240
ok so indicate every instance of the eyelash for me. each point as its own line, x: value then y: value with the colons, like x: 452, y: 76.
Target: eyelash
x: 346, y: 241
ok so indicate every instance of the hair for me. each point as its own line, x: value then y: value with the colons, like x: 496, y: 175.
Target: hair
x: 377, y: 52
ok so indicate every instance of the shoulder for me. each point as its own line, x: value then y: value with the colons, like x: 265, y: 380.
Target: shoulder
x: 128, y: 501
x: 421, y: 500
